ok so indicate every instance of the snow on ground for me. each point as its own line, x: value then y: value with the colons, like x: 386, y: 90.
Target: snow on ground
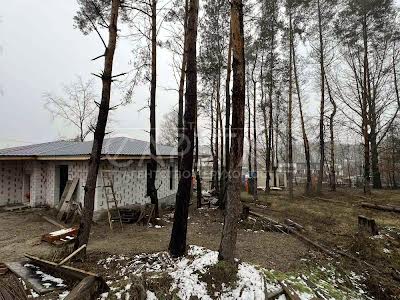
x: 185, y: 275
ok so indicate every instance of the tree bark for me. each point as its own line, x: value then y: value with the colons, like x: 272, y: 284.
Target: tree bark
x: 181, y: 92
x: 255, y: 196
x: 196, y: 167
x: 322, y: 104
x: 332, y: 137
x: 153, y: 139
x: 365, y: 121
x: 227, y: 118
x: 290, y: 108
x: 233, y: 206
x: 94, y: 162
x: 303, y: 127
x: 177, y: 245
x: 270, y: 161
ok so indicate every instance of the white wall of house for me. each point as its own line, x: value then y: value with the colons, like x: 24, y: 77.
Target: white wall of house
x: 41, y: 179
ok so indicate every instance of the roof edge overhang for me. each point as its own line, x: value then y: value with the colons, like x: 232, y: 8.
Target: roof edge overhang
x: 85, y: 157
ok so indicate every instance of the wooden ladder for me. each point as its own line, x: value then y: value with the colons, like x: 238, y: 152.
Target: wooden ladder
x: 108, y: 188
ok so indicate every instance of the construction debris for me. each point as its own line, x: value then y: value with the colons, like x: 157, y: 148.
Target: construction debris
x: 67, y: 272
x: 390, y: 208
x: 61, y: 237
x: 40, y: 280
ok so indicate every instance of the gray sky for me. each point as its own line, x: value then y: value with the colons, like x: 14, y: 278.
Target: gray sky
x: 40, y: 51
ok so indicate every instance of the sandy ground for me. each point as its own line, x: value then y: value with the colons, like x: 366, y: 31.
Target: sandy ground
x: 20, y: 233
x: 332, y: 223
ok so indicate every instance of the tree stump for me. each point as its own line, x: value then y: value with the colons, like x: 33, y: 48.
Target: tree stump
x: 245, y: 212
x: 367, y: 225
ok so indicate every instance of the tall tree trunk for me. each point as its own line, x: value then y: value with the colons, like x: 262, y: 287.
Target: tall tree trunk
x: 266, y: 135
x: 196, y: 166
x: 255, y: 196
x: 177, y: 245
x: 153, y: 139
x: 94, y: 162
x: 212, y: 137
x: 290, y: 108
x: 270, y: 160
x: 181, y: 92
x: 227, y: 118
x: 249, y: 127
x: 365, y: 121
x: 233, y: 206
x: 217, y: 122
x: 332, y: 137
x: 303, y: 127
x: 322, y: 104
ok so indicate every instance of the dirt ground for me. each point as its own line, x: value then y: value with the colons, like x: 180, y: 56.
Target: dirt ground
x: 330, y: 220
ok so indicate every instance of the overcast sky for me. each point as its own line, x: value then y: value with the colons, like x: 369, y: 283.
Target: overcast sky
x: 40, y: 51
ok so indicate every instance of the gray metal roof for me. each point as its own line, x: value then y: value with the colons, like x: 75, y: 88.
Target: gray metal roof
x: 113, y: 146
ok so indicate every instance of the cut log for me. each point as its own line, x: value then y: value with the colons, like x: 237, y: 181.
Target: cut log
x: 245, y: 212
x: 390, y: 208
x: 69, y: 257
x: 367, y: 225
x: 87, y: 289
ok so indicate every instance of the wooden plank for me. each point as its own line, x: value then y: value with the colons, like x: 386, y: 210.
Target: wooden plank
x: 69, y: 257
x: 54, y: 222
x: 64, y: 194
x: 65, y: 205
x: 28, y: 275
x: 16, y: 207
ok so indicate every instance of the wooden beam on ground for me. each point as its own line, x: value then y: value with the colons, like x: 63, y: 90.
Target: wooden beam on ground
x: 66, y: 271
x: 389, y: 208
x: 294, y: 224
x: 69, y: 257
x: 275, y: 294
x: 87, y: 289
x: 289, y: 291
x: 297, y: 234
x: 54, y: 222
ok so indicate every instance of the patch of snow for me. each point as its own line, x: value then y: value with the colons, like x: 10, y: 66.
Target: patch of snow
x: 250, y: 284
x: 150, y: 295
x: 63, y: 295
x: 387, y: 251
x: 33, y: 294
